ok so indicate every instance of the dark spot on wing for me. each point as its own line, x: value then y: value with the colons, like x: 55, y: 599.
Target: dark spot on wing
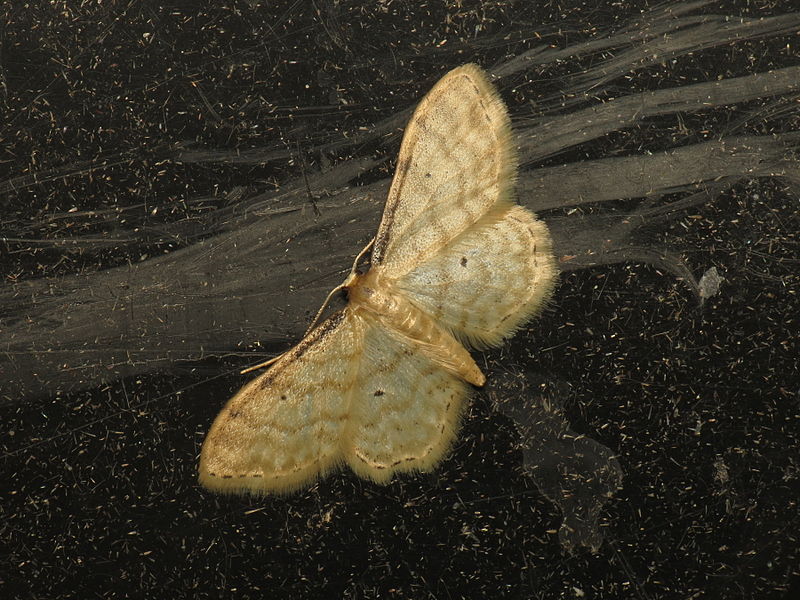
x: 378, y: 393
x: 463, y: 261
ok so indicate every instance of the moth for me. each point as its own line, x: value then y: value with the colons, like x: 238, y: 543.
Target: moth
x: 380, y: 385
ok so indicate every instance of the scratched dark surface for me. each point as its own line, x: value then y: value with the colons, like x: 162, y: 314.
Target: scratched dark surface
x: 182, y: 184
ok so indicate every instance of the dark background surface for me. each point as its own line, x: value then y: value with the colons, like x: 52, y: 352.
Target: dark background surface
x: 701, y: 404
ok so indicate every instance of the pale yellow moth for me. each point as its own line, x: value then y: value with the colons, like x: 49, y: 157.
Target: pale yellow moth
x: 380, y: 385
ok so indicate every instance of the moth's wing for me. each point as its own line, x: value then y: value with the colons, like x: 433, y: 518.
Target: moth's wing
x: 406, y: 406
x: 490, y: 280
x: 283, y: 429
x: 451, y: 240
x: 456, y: 163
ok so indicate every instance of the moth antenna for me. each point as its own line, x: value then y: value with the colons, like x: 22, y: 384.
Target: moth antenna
x: 266, y: 363
x: 341, y: 286
x: 338, y: 288
x: 361, y: 254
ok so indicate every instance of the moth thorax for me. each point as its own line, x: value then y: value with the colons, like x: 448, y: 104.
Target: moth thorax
x: 369, y: 291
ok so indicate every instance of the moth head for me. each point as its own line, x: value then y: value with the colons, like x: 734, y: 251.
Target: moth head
x: 351, y: 279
